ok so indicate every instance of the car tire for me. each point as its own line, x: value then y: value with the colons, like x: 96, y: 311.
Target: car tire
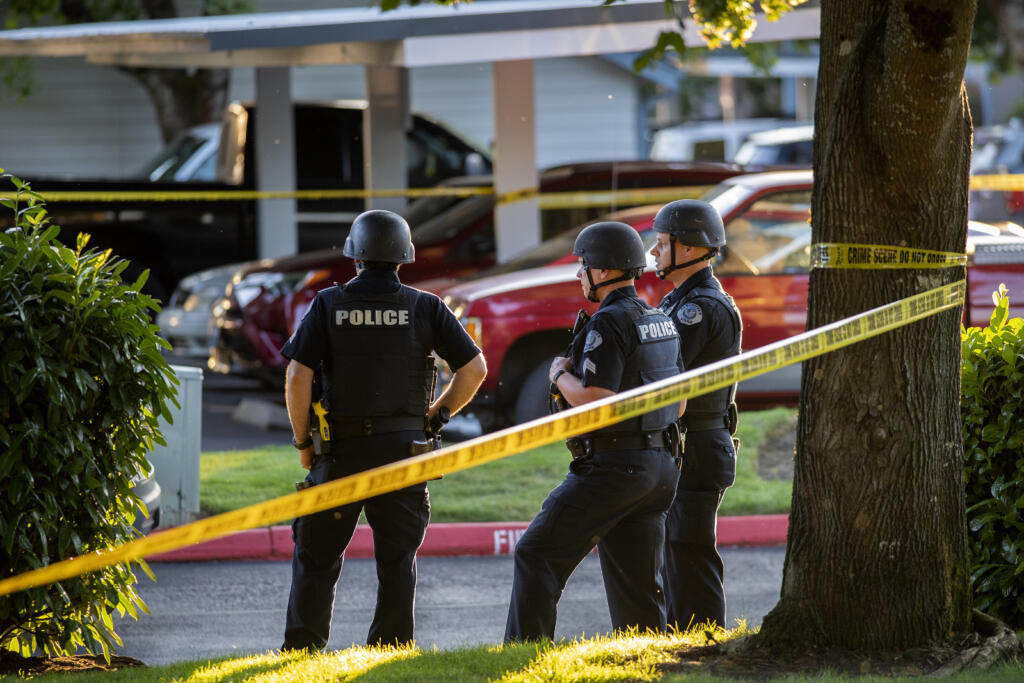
x: 532, y: 401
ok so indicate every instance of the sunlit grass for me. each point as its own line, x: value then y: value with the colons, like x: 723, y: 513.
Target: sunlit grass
x: 511, y: 489
x: 626, y: 657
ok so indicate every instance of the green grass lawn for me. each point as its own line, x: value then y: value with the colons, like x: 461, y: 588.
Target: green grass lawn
x: 511, y: 489
x: 627, y: 657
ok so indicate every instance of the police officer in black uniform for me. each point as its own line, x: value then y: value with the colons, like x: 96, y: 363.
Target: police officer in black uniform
x: 690, y: 233
x: 371, y: 341
x: 622, y: 477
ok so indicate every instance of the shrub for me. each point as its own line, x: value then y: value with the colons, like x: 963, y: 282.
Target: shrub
x: 82, y: 384
x: 992, y: 414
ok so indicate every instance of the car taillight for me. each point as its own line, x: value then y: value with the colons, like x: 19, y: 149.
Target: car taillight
x: 313, y: 277
x: 474, y: 328
x: 1014, y: 201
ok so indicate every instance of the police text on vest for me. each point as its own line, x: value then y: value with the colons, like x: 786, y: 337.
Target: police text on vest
x: 372, y: 318
x: 656, y: 330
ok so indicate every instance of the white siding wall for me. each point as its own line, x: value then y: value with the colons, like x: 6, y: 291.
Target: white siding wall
x: 87, y: 120
x: 83, y: 120
x: 586, y: 110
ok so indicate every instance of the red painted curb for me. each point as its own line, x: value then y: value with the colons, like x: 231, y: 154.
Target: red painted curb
x: 445, y: 539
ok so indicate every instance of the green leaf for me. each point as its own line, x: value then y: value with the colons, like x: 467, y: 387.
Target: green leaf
x: 70, y: 392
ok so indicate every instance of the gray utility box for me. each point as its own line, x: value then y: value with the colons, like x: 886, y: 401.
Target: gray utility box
x: 176, y: 465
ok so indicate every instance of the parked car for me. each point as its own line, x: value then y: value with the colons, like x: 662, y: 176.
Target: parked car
x: 177, y: 238
x: 186, y: 320
x: 266, y: 300
x: 522, y: 319
x: 709, y: 140
x: 191, y: 157
x: 790, y: 146
x: 998, y: 150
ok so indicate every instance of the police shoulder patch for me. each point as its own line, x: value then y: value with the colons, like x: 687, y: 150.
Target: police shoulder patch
x: 593, y: 341
x: 689, y: 314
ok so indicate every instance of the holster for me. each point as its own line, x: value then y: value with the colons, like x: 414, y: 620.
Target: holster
x: 320, y: 447
x: 556, y: 402
x: 732, y: 418
x: 579, y: 448
x: 676, y: 436
x: 420, y: 447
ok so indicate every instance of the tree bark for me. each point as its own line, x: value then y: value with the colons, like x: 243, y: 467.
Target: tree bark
x: 877, y: 554
x: 184, y: 97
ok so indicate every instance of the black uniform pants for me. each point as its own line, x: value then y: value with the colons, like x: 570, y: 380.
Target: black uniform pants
x: 694, y: 571
x: 398, y: 520
x: 616, y: 501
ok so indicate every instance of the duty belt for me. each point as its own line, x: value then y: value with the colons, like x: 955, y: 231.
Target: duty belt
x: 703, y: 423
x: 628, y: 441
x: 369, y: 426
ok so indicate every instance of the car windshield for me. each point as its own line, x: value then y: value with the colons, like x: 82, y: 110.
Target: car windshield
x: 791, y: 153
x: 165, y: 164
x: 772, y: 235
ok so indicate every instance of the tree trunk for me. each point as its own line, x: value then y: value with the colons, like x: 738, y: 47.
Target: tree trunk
x: 181, y: 97
x: 877, y: 554
x: 184, y: 97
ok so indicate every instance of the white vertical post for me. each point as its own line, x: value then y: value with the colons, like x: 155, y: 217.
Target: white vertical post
x: 806, y: 87
x: 385, y: 123
x: 176, y: 465
x: 275, y: 161
x: 516, y: 224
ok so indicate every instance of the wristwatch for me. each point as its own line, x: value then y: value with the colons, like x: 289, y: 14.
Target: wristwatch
x: 554, y: 380
x: 304, y: 445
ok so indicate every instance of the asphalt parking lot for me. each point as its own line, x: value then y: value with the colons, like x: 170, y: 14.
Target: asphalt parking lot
x: 223, y: 430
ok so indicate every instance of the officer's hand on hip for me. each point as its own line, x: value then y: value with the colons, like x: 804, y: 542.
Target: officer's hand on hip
x: 306, y: 457
x: 558, y: 363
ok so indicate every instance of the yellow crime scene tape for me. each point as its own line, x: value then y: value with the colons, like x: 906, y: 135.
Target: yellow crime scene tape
x: 651, y: 195
x: 513, y: 440
x: 229, y: 195
x: 1007, y: 182
x: 546, y: 200
x: 878, y: 256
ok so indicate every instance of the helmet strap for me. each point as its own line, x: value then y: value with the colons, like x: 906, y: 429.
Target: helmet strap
x: 592, y: 294
x: 673, y: 266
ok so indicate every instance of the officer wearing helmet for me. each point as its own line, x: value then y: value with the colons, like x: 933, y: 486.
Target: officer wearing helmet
x: 689, y: 234
x: 623, y: 476
x: 370, y: 341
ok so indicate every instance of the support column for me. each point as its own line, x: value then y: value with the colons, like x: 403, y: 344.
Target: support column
x: 516, y: 224
x: 275, y: 161
x: 806, y: 89
x: 788, y: 97
x: 385, y: 123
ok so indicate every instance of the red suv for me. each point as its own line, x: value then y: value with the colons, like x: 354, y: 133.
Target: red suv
x: 522, y: 319
x: 454, y: 238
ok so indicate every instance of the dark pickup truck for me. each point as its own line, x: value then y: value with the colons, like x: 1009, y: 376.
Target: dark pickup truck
x: 176, y: 238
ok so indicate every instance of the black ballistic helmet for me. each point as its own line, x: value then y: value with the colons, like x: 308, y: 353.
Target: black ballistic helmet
x: 380, y: 236
x: 611, y: 245
x: 692, y: 222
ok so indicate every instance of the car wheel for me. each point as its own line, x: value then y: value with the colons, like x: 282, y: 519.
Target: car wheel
x: 532, y: 401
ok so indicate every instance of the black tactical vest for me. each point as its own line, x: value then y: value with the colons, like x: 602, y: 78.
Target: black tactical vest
x: 377, y: 365
x: 654, y: 356
x: 715, y: 403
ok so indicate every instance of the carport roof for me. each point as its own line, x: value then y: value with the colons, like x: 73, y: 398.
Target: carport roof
x: 423, y: 35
